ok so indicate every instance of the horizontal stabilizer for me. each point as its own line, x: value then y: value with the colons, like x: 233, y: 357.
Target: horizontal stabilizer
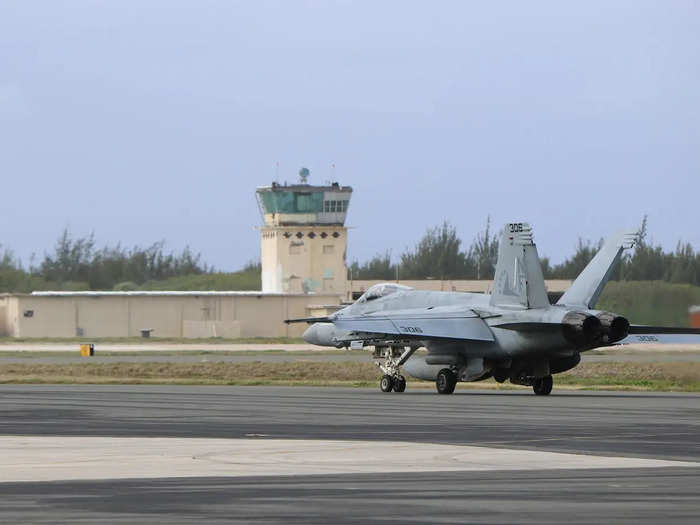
x: 641, y: 329
x: 661, y: 335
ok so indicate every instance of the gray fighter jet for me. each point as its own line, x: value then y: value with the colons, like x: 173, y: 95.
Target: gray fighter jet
x: 513, y: 333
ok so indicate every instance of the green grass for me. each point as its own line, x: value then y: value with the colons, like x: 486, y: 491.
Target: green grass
x: 18, y: 281
x: 650, y: 302
x: 237, y: 281
x: 671, y: 376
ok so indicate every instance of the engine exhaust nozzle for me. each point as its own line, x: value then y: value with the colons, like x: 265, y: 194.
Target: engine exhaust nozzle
x: 615, y: 327
x: 581, y: 329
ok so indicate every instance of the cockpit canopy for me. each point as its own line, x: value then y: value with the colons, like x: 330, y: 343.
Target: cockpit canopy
x: 381, y: 290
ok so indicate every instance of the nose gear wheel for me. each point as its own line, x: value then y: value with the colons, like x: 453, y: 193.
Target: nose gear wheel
x: 387, y: 383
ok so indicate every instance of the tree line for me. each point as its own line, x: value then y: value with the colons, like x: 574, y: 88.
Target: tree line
x: 79, y: 264
x: 439, y: 255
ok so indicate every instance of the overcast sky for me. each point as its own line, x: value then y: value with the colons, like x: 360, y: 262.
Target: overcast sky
x: 154, y: 120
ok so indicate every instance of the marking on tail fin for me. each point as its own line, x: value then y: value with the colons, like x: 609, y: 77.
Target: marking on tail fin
x: 523, y: 287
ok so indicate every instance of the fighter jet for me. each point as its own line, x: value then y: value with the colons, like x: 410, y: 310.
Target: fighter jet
x: 513, y: 333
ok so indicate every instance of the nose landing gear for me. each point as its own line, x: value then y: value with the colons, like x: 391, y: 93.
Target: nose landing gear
x: 388, y: 383
x: 389, y: 361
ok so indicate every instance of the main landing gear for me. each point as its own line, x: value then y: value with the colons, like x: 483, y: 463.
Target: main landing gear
x: 542, y: 386
x: 446, y: 381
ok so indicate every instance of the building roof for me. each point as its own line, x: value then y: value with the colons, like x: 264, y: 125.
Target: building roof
x: 167, y: 293
x: 303, y: 187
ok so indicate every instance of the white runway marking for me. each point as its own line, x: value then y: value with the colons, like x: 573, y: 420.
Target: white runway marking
x: 48, y: 458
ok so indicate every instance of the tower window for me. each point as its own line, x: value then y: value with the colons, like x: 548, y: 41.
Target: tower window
x: 335, y: 206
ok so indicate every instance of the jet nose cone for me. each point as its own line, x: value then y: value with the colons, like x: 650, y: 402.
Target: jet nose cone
x: 310, y: 335
x: 321, y: 334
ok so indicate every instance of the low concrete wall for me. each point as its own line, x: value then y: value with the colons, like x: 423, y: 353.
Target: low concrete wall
x: 203, y: 329
x: 167, y: 315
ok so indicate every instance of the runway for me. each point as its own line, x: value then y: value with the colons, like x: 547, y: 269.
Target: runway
x: 319, y: 455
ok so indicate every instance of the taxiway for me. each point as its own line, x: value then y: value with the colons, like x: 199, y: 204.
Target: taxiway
x: 319, y: 455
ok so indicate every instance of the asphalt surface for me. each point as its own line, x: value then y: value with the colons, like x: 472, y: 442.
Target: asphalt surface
x: 641, y: 425
x: 598, y: 496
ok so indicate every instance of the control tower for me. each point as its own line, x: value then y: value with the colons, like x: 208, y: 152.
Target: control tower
x: 303, y: 236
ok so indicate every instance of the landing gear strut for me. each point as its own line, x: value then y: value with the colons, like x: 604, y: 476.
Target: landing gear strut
x: 389, y: 360
x: 542, y: 386
x: 446, y: 381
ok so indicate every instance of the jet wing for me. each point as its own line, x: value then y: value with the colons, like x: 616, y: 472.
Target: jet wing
x: 444, y: 322
x: 661, y: 335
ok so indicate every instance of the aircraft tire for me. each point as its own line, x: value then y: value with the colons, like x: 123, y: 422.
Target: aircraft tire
x: 446, y: 381
x: 387, y: 383
x: 400, y: 384
x: 543, y: 386
x: 500, y: 375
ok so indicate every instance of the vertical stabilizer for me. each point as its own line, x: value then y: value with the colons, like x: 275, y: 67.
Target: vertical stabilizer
x: 518, y: 280
x: 590, y: 283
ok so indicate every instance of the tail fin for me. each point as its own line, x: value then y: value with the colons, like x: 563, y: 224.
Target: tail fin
x: 518, y: 280
x: 590, y: 283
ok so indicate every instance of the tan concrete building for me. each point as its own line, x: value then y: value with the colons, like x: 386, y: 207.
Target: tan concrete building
x: 304, y: 259
x: 303, y: 239
x: 162, y: 314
